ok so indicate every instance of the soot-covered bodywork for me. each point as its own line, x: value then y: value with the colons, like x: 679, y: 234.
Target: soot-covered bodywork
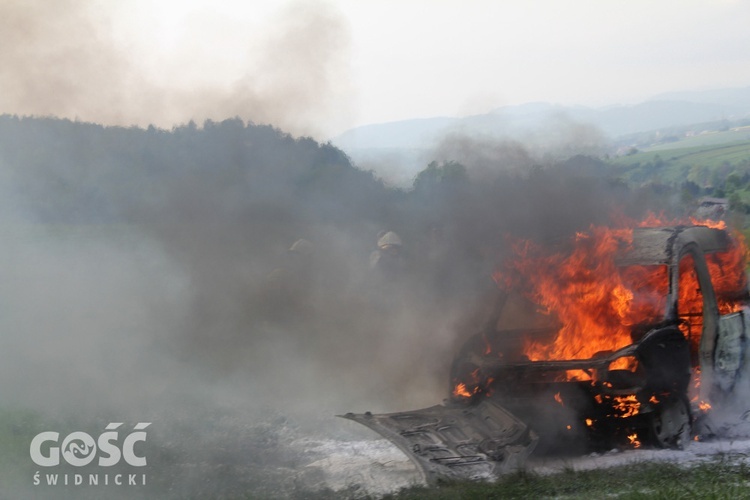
x: 458, y: 441
x: 669, y: 373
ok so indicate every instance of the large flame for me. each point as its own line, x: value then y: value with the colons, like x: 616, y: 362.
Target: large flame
x: 598, y: 303
x: 586, y: 293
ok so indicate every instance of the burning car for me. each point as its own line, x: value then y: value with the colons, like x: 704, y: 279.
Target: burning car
x: 616, y: 337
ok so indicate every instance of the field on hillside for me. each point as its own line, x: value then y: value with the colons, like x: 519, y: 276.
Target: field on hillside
x: 676, y: 162
x: 706, y: 138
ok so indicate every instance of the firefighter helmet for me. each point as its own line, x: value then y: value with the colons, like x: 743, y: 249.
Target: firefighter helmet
x: 389, y: 239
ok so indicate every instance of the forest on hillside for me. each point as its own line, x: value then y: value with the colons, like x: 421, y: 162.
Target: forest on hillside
x: 227, y: 200
x: 241, y: 173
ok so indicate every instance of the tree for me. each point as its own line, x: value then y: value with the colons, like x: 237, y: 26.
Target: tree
x: 735, y: 202
x: 435, y: 177
x: 732, y: 182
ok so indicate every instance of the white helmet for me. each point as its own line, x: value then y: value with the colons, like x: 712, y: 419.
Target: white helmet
x: 389, y: 239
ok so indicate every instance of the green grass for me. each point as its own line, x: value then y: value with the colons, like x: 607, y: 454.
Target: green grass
x: 675, y: 165
x: 723, y: 478
x: 704, y: 155
x: 17, y: 429
x: 171, y: 476
x: 707, y: 139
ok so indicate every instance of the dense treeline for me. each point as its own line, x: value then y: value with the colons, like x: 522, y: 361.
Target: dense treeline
x: 227, y: 200
x: 272, y: 188
x: 234, y: 172
x: 95, y: 172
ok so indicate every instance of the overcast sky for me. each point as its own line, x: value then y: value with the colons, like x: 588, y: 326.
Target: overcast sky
x: 320, y: 67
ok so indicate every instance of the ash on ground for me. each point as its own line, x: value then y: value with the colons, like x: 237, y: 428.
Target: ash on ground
x: 278, y: 457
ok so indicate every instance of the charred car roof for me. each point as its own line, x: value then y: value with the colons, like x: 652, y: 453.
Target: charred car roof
x: 663, y: 245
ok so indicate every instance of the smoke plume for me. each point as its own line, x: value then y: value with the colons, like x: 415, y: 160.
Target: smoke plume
x: 61, y: 59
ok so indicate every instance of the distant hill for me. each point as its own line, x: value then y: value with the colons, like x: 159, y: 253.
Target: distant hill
x: 412, y: 140
x: 679, y: 108
x: 402, y: 134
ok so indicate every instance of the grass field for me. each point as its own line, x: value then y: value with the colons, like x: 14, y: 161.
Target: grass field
x: 708, y: 155
x: 706, y: 139
x: 675, y: 162
x: 724, y: 477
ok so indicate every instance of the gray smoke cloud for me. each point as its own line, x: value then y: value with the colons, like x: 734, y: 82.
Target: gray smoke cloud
x: 164, y: 292
x: 555, y: 140
x: 137, y: 283
x: 149, y: 277
x: 61, y: 59
x: 158, y: 285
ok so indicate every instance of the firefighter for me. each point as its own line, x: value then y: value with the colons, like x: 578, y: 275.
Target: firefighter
x: 388, y: 259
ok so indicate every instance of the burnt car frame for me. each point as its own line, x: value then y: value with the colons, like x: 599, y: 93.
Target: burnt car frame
x: 680, y: 364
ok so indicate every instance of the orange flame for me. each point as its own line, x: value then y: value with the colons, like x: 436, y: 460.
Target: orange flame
x: 587, y: 293
x: 476, y: 385
x: 460, y: 390
x: 633, y: 438
x: 597, y: 303
x: 627, y: 406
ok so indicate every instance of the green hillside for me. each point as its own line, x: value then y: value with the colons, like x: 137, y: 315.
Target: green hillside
x: 704, y: 160
x: 706, y: 138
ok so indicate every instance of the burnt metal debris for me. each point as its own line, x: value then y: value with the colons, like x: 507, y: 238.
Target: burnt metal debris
x: 681, y: 366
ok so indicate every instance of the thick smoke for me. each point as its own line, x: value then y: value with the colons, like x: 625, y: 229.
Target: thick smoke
x: 161, y: 265
x: 61, y: 59
x: 212, y: 210
x: 151, y: 276
x: 55, y: 60
x: 487, y: 153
